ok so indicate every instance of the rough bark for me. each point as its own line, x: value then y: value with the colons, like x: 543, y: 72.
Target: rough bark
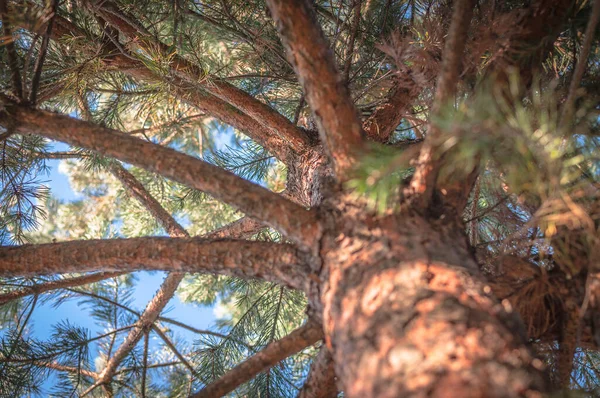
x: 407, y: 313
x: 272, y: 354
x: 291, y: 219
x: 321, y: 381
x: 338, y: 122
x: 245, y: 259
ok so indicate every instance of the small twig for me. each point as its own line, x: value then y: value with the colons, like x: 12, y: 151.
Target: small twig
x: 352, y: 39
x: 173, y: 349
x: 144, y: 365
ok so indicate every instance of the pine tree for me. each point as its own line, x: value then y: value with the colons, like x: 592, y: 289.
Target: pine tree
x: 387, y: 198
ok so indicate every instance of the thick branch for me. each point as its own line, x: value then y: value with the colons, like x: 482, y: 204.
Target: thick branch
x: 188, y: 88
x: 291, y: 219
x: 57, y: 284
x: 273, y: 120
x: 245, y: 259
x: 423, y: 181
x: 321, y: 379
x: 272, y: 354
x: 309, y: 53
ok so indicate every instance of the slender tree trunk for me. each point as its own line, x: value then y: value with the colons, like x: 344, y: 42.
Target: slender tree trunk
x: 407, y: 313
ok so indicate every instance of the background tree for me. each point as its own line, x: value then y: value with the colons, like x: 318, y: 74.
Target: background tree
x: 389, y: 198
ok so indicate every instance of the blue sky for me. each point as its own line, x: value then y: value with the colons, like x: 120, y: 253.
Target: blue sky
x: 45, y: 316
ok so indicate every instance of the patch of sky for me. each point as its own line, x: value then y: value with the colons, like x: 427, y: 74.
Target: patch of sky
x: 46, y: 316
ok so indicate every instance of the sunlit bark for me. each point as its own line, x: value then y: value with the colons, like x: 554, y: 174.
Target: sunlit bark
x: 291, y: 219
x: 245, y: 259
x: 339, y: 126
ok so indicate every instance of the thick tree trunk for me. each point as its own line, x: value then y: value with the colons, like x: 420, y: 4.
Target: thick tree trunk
x: 407, y: 313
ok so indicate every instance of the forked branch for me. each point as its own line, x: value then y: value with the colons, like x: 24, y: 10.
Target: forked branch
x: 308, y: 51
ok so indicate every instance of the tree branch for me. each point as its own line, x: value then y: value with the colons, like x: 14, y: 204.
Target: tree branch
x: 57, y: 284
x: 321, y: 379
x: 590, y: 31
x: 426, y: 172
x: 39, y: 63
x: 137, y: 190
x: 309, y: 53
x: 273, y: 262
x: 272, y: 354
x: 383, y: 121
x: 350, y: 46
x: 8, y: 42
x: 189, y: 89
x: 291, y: 219
x: 275, y: 122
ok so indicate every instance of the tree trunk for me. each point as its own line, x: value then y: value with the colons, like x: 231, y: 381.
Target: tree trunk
x: 407, y: 313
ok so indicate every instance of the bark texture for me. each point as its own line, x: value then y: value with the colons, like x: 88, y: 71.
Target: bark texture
x: 289, y: 218
x: 273, y: 262
x: 407, y: 313
x: 339, y: 125
x: 321, y: 382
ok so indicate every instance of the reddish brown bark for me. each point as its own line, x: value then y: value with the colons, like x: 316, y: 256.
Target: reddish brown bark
x: 339, y: 125
x: 386, y: 117
x: 279, y: 145
x: 57, y: 284
x: 291, y: 219
x: 424, y: 180
x: 275, y: 122
x: 321, y: 382
x: 272, y: 354
x: 274, y: 262
x: 407, y: 313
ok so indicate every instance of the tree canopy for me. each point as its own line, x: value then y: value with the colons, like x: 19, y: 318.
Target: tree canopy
x: 235, y: 144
